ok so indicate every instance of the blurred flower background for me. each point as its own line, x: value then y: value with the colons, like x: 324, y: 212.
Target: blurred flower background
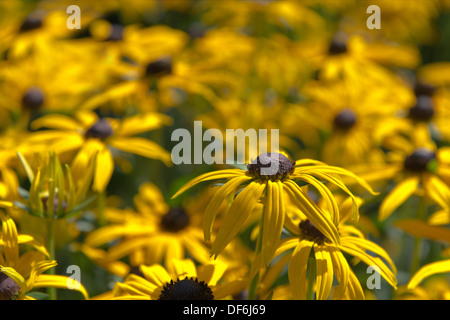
x: 86, y: 176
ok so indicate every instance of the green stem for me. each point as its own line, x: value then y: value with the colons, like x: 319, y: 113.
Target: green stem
x: 311, y: 276
x: 421, y: 215
x: 51, y: 250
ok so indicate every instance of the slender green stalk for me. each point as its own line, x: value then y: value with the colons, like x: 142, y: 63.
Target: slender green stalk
x: 311, y: 277
x: 421, y: 215
x: 51, y: 250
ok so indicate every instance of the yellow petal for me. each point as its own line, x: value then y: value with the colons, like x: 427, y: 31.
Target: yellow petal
x: 297, y: 269
x: 236, y: 215
x: 142, y: 147
x: 397, y: 196
x: 428, y: 270
x: 215, y: 175
x: 62, y: 282
x: 324, y: 272
x: 104, y: 168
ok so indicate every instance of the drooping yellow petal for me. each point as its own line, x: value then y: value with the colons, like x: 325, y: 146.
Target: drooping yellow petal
x: 236, y: 215
x: 62, y: 282
x: 385, y: 272
x: 428, y: 270
x: 397, y: 196
x: 217, y: 200
x: 142, y: 122
x: 142, y: 147
x: 421, y: 229
x: 324, y: 272
x: 10, y: 240
x: 215, y: 175
x: 104, y: 168
x: 320, y: 219
x: 297, y: 269
x: 55, y: 121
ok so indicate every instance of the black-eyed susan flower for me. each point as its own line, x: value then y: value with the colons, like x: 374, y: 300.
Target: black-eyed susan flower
x: 89, y: 135
x: 415, y: 171
x: 154, y: 233
x: 271, y: 180
x: 349, y: 116
x: 22, y: 272
x: 329, y: 259
x: 179, y: 280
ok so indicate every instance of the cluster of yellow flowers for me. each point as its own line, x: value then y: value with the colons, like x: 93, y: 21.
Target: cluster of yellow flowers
x: 90, y: 200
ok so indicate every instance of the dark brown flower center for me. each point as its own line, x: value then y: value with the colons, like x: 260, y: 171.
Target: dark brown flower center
x: 32, y: 21
x: 175, y: 220
x: 419, y: 160
x: 425, y: 89
x: 345, y: 119
x: 101, y: 130
x: 116, y: 33
x: 33, y: 99
x: 423, y: 110
x: 160, y: 67
x: 186, y: 289
x: 9, y: 289
x: 337, y: 46
x: 271, y: 165
x: 310, y: 232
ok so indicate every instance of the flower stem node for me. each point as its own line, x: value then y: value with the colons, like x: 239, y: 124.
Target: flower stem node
x: 186, y: 289
x: 273, y: 166
x: 101, y: 130
x: 418, y: 161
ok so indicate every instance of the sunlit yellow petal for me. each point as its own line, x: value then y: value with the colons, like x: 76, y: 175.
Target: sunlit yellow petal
x: 397, y: 196
x: 428, y: 270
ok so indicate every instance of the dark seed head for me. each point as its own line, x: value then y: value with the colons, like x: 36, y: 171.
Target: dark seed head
x: 423, y: 110
x: 9, y: 289
x: 309, y: 231
x: 116, y: 33
x: 425, y: 89
x: 175, y: 220
x: 32, y: 21
x: 337, y: 46
x: 101, y: 130
x: 137, y: 271
x: 160, y: 67
x: 186, y: 289
x: 33, y: 99
x: 418, y: 161
x: 345, y: 119
x: 271, y: 165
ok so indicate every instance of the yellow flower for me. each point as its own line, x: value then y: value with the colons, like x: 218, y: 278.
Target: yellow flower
x: 416, y: 171
x: 89, y: 135
x: 180, y: 280
x: 329, y: 259
x: 349, y: 116
x: 270, y: 180
x: 20, y: 274
x: 155, y: 233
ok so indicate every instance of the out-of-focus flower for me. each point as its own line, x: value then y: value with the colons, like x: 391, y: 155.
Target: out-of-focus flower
x: 21, y: 274
x: 179, y: 280
x: 415, y: 171
x: 154, y: 233
x: 91, y: 136
x: 330, y: 260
